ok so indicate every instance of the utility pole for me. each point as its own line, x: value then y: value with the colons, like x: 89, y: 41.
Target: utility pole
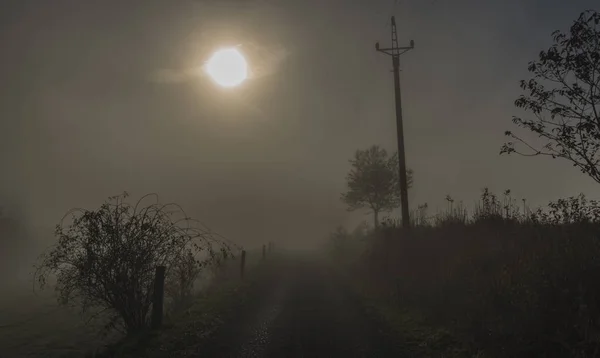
x: 395, y: 51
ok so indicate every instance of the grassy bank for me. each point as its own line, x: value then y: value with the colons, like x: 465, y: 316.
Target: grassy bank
x: 491, y: 284
x: 418, y: 336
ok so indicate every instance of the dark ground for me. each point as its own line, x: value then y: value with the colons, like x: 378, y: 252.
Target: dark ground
x: 301, y: 310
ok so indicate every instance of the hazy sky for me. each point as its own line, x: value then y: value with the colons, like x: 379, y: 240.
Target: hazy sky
x: 99, y: 97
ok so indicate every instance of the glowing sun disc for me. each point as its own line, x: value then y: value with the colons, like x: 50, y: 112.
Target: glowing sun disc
x: 227, y: 67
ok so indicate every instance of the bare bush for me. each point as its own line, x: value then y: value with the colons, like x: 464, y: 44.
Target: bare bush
x: 180, y: 280
x: 104, y: 261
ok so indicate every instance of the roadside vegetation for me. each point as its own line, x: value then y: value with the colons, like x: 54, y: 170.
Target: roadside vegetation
x: 485, y: 282
x: 500, y: 279
x: 94, y: 287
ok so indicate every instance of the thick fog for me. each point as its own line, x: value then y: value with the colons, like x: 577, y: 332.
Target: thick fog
x: 101, y: 97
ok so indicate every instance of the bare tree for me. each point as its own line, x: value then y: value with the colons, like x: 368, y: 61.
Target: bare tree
x: 104, y: 261
x: 564, y: 97
x: 373, y: 182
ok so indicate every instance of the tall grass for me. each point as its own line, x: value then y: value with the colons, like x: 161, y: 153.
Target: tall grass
x: 503, y: 279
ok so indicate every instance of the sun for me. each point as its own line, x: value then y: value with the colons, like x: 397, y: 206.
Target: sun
x: 227, y: 67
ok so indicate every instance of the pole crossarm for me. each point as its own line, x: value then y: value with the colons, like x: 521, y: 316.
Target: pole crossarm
x: 393, y: 51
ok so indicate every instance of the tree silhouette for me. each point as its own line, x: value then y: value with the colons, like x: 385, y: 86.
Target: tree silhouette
x: 564, y: 97
x: 373, y: 182
x: 105, y: 259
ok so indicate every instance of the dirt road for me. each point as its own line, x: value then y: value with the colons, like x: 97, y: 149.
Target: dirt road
x: 302, y: 312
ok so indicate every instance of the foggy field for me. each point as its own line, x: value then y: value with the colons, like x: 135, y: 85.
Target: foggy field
x: 32, y: 326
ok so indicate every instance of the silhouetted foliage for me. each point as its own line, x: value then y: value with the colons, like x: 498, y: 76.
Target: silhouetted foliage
x: 105, y: 259
x: 564, y: 97
x: 373, y: 181
x: 572, y: 210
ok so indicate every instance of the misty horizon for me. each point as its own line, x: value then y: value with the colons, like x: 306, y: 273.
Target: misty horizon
x: 103, y: 98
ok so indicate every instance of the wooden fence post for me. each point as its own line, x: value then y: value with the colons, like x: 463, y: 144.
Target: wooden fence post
x: 243, y: 263
x: 158, y: 299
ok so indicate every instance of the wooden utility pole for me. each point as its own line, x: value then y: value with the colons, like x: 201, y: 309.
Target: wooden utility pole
x: 395, y: 51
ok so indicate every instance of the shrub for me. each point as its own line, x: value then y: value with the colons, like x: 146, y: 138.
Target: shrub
x: 105, y: 259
